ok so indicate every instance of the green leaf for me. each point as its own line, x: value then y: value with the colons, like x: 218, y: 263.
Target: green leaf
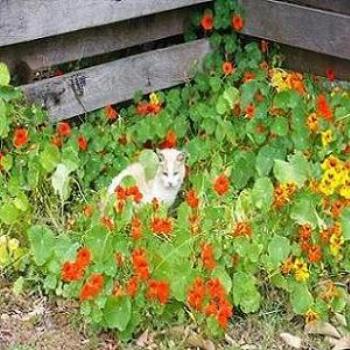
x: 17, y: 288
x: 100, y: 243
x: 21, y: 202
x: 304, y: 212
x: 280, y: 126
x: 345, y: 223
x: 42, y: 243
x: 8, y: 213
x: 266, y: 157
x: 149, y: 161
x: 117, y: 312
x: 296, y: 170
x: 49, y: 158
x: 4, y: 75
x: 262, y: 193
x: 4, y: 121
x: 300, y: 298
x: 279, y: 249
x: 7, y: 162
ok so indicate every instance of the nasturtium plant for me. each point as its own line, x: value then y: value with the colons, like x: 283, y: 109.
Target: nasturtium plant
x: 264, y: 205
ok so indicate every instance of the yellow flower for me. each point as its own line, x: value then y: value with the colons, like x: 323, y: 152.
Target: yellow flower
x: 13, y: 244
x: 325, y: 187
x: 334, y: 177
x: 345, y: 191
x: 301, y: 271
x: 278, y: 79
x: 336, y: 244
x: 312, y: 122
x: 327, y: 137
x: 331, y: 162
x: 311, y: 315
x: 154, y: 98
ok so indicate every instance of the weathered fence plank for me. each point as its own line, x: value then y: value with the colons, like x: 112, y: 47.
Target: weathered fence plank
x: 117, y: 81
x: 28, y: 20
x: 341, y: 6
x: 95, y: 41
x: 294, y: 25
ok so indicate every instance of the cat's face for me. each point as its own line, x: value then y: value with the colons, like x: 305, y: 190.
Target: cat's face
x: 171, y: 167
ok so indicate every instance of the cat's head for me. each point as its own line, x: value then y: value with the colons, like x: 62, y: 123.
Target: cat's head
x: 171, y: 169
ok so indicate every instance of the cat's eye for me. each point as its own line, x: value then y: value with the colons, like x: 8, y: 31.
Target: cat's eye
x: 165, y: 173
x: 176, y: 173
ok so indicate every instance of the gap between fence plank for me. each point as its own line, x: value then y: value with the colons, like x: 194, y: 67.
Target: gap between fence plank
x: 299, y: 26
x: 26, y: 20
x: 116, y: 81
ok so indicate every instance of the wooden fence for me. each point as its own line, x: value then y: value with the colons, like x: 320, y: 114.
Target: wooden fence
x: 36, y: 35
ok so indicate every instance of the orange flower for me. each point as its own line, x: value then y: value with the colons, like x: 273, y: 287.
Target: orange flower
x: 207, y: 21
x: 295, y: 81
x: 111, y: 113
x: 140, y: 264
x: 71, y: 271
x: 162, y: 226
x: 337, y: 208
x: 64, y: 129
x: 312, y: 122
x: 192, y: 199
x: 20, y: 137
x: 119, y: 259
x: 242, y: 229
x: 83, y: 258
x: 221, y: 185
x: 132, y: 286
x: 207, y: 256
x: 227, y: 68
x: 142, y: 108
x: 170, y: 140
x: 248, y: 76
x: 158, y: 290
x: 330, y: 74
x: 136, y: 228
x: 82, y: 143
x: 323, y: 109
x: 250, y: 111
x: 237, y: 22
x: 134, y: 192
x: 326, y: 235
x: 314, y: 253
x: 196, y: 294
x: 305, y: 232
x: 57, y: 140
x: 92, y: 287
x: 88, y: 211
x: 107, y: 222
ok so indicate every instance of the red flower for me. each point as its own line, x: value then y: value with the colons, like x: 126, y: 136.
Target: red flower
x: 323, y: 109
x: 88, y: 211
x: 207, y: 256
x: 71, y: 271
x: 134, y: 192
x: 196, y: 294
x: 20, y: 137
x: 248, y: 76
x: 111, y: 113
x: 170, y: 140
x: 207, y: 22
x: 83, y: 258
x: 158, y: 290
x: 82, y: 143
x: 242, y: 229
x: 305, y: 232
x: 314, y: 253
x: 140, y: 264
x: 227, y: 68
x: 237, y: 23
x: 330, y: 74
x: 132, y: 286
x: 107, y: 222
x: 142, y: 108
x: 136, y: 228
x: 162, y: 226
x: 221, y: 184
x: 250, y: 111
x: 64, y: 129
x: 192, y: 199
x: 92, y: 287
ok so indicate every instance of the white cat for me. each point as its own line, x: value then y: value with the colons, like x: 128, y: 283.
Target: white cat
x: 166, y: 183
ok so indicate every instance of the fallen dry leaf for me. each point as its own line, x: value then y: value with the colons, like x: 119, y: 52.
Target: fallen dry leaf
x: 291, y: 340
x: 342, y: 344
x: 142, y: 340
x: 323, y: 328
x: 196, y: 340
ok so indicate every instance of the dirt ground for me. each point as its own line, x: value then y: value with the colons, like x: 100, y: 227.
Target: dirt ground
x: 36, y: 323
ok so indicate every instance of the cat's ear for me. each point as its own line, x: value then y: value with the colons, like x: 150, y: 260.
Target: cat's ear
x: 181, y: 157
x: 160, y: 155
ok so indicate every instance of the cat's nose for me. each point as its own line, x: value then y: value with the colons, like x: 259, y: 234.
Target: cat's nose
x: 170, y: 184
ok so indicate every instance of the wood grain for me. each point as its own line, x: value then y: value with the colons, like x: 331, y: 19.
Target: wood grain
x: 298, y: 26
x: 26, y: 20
x: 341, y: 6
x: 90, y: 42
x: 116, y: 81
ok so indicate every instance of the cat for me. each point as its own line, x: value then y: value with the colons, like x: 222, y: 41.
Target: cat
x: 165, y: 185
